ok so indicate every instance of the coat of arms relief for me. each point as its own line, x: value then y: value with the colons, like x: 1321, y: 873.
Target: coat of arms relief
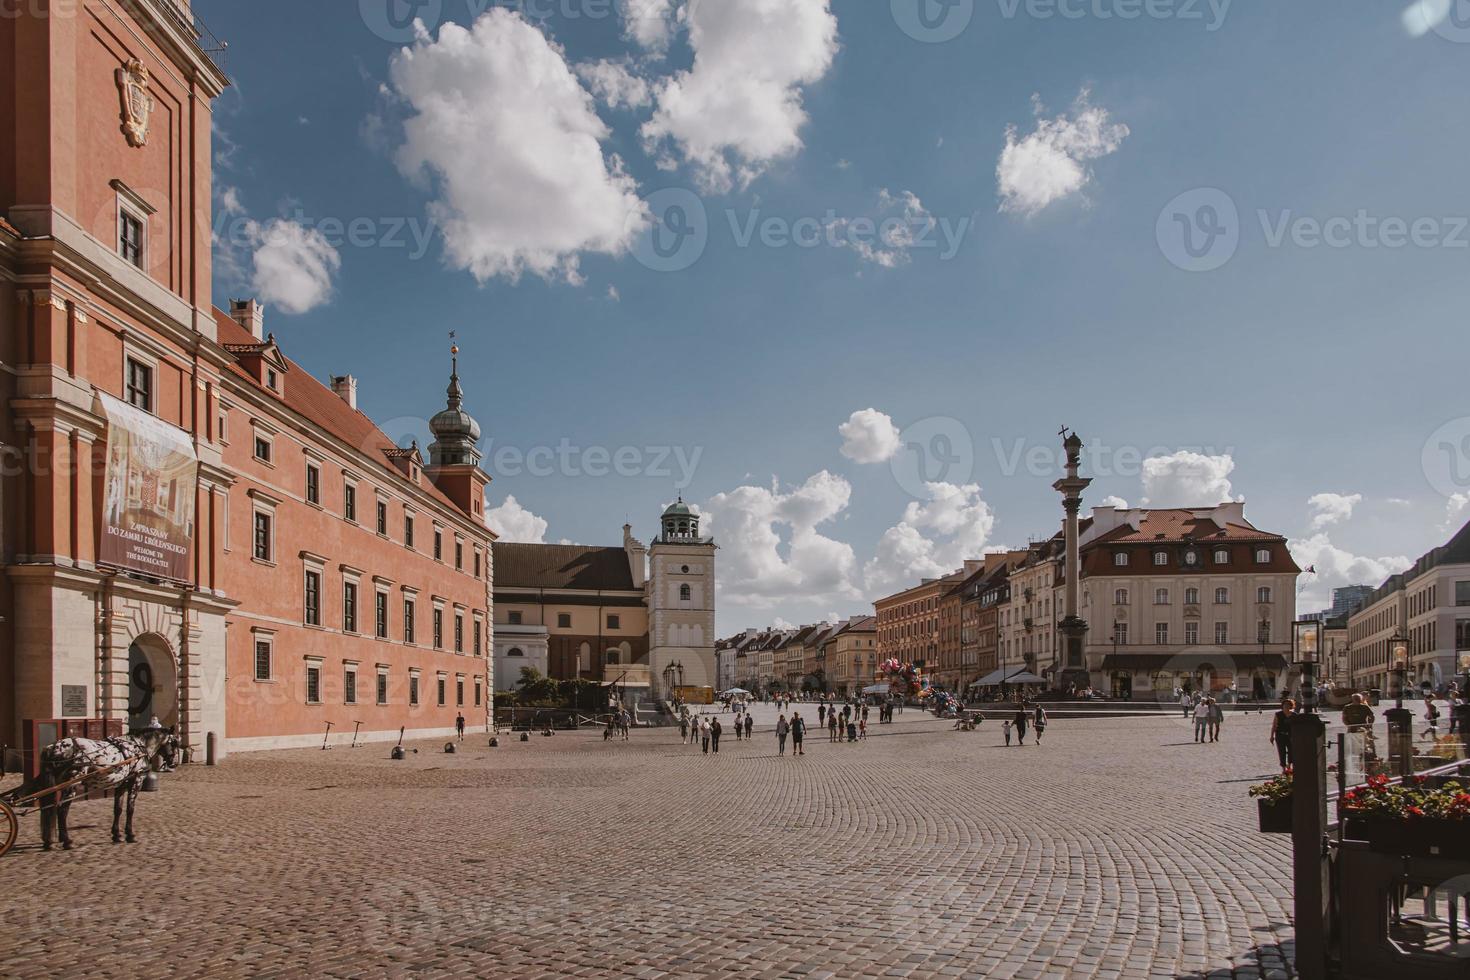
x: 137, y: 104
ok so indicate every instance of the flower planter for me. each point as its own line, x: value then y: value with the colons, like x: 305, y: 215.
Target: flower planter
x: 1418, y: 837
x: 1274, y: 815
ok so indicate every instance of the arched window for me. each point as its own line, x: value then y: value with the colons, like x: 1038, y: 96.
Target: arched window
x: 685, y: 593
x: 1263, y: 556
x: 1120, y: 597
x: 1191, y: 597
x: 515, y: 652
x: 1222, y: 596
x: 1161, y: 558
x: 1120, y: 559
x: 1161, y: 597
x: 1222, y: 556
x: 1263, y: 594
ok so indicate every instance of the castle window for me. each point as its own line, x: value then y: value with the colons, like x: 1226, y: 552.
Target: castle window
x: 685, y: 593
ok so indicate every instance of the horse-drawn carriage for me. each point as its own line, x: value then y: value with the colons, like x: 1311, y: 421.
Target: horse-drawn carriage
x: 118, y: 764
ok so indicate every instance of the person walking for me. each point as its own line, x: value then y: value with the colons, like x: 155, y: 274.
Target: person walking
x: 1201, y: 720
x: 1217, y: 717
x: 704, y: 732
x: 714, y: 735
x: 1185, y: 703
x: 832, y: 726
x: 863, y: 727
x: 459, y: 727
x: 822, y: 714
x: 1005, y: 726
x: 1020, y: 719
x: 749, y: 725
x: 1431, y: 718
x: 684, y: 729
x: 736, y: 725
x: 1039, y: 722
x: 1281, y: 732
x: 798, y: 732
x: 783, y: 728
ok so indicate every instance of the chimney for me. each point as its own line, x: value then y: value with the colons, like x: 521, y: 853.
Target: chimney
x: 250, y: 315
x: 345, y: 385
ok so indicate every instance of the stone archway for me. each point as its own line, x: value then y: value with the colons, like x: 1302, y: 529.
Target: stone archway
x: 153, y: 682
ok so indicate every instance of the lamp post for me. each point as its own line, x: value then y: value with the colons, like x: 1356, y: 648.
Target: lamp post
x: 1306, y: 636
x: 1400, y: 719
x: 1398, y: 657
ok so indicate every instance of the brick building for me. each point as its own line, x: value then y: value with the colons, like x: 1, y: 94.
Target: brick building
x: 168, y: 551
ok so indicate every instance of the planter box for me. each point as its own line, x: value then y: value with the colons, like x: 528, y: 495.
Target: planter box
x: 1414, y: 838
x: 1275, y: 817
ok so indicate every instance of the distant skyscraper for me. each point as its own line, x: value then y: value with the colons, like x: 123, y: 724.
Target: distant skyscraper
x: 1347, y: 598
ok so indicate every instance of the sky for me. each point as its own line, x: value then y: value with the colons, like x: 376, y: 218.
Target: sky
x: 838, y: 271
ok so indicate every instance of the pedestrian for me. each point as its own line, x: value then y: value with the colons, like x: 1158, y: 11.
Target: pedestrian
x: 1201, y: 720
x: 625, y: 721
x: 832, y: 726
x: 1005, y: 726
x: 459, y: 726
x: 783, y: 728
x: 1431, y: 717
x: 1185, y: 703
x: 714, y: 735
x: 1281, y: 732
x: 863, y: 727
x: 865, y: 713
x: 684, y: 729
x: 1217, y: 716
x: 1039, y: 723
x: 822, y: 714
x: 1020, y: 720
x: 798, y: 732
x: 704, y: 733
x: 736, y: 725
x: 749, y: 725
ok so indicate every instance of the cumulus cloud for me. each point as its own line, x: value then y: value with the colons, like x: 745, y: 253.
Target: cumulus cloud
x: 508, y: 140
x: 1187, y: 479
x: 649, y: 22
x: 615, y: 84
x: 1456, y: 510
x: 515, y: 523
x: 1050, y: 163
x: 900, y: 221
x: 1332, y: 508
x: 934, y: 538
x: 869, y: 436
x: 771, y: 549
x: 738, y: 109
x: 1117, y: 503
x: 1335, y: 568
x: 291, y: 265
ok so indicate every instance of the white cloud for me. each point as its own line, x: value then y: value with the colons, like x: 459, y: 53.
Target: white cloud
x: 292, y: 266
x: 1117, y: 503
x: 1050, y: 163
x: 750, y: 523
x: 782, y: 624
x: 515, y: 523
x: 1187, y: 479
x: 934, y: 538
x: 229, y: 201
x: 615, y: 84
x: 869, y: 436
x: 739, y: 108
x: 1423, y: 16
x: 1336, y: 568
x: 1332, y: 508
x: 649, y: 22
x: 1455, y: 510
x: 1398, y: 502
x: 895, y: 233
x: 511, y: 145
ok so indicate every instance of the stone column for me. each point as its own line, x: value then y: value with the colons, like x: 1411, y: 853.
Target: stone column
x: 1073, y: 628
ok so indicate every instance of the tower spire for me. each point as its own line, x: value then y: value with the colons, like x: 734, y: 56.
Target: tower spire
x: 456, y: 433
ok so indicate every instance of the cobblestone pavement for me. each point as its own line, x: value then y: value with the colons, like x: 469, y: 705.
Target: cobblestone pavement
x: 1118, y: 849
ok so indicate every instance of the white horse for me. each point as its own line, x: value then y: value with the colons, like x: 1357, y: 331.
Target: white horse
x: 117, y: 764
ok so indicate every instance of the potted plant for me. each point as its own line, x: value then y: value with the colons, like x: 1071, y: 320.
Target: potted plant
x: 1415, y: 818
x: 1273, y: 804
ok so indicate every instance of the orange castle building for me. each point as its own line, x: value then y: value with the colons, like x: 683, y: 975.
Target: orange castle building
x: 192, y: 528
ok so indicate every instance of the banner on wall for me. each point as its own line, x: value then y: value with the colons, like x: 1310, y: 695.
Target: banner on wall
x: 147, y: 493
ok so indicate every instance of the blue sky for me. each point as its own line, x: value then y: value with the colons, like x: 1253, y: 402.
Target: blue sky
x: 1038, y: 173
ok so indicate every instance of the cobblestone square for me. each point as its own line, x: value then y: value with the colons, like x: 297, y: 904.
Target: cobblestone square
x: 1119, y: 848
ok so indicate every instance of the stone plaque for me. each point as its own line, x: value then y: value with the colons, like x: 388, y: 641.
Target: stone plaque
x: 73, y: 700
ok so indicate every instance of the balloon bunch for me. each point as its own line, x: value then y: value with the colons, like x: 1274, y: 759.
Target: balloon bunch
x: 905, y: 677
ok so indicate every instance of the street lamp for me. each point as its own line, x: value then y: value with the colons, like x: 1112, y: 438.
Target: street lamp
x: 1398, y: 656
x: 1307, y: 647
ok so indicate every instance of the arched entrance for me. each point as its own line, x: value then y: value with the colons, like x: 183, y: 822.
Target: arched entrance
x: 153, y: 683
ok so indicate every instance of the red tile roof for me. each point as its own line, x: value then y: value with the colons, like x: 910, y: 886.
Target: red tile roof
x: 314, y: 401
x: 1182, y: 525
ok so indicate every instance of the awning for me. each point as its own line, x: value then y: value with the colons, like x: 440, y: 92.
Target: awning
x: 877, y: 689
x: 1189, y: 663
x: 1008, y: 675
x: 1025, y: 677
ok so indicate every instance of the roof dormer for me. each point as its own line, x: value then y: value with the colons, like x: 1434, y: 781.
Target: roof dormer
x: 264, y: 362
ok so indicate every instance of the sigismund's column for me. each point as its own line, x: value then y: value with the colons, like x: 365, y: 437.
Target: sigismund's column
x: 1073, y: 627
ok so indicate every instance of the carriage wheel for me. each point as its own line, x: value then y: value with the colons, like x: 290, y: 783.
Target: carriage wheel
x: 9, y: 827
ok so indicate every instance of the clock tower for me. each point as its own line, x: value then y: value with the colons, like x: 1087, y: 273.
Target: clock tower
x: 681, y: 603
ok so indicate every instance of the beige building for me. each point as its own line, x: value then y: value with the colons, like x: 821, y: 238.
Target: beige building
x: 1028, y: 635
x: 1197, y: 598
x: 1430, y: 606
x: 853, y: 655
